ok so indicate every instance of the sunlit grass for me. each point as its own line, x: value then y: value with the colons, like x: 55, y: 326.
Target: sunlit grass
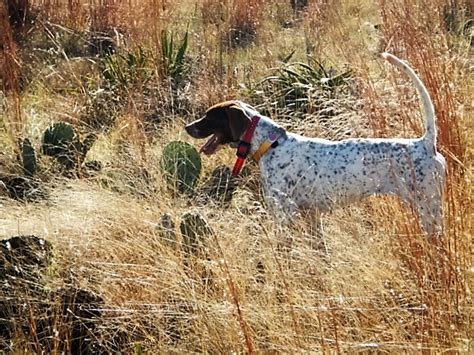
x: 377, y: 285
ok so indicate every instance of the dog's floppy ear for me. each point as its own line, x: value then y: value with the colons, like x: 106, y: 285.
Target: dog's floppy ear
x: 238, y: 121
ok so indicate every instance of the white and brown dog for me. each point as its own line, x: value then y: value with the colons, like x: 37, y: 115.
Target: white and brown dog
x: 312, y: 173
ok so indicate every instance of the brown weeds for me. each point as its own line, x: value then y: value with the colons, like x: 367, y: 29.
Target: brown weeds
x: 10, y: 73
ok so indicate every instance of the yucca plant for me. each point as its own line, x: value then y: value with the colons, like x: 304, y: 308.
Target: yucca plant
x: 295, y: 85
x: 173, y: 56
x: 124, y: 70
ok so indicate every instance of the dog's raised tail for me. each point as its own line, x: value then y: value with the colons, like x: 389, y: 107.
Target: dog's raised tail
x: 430, y: 128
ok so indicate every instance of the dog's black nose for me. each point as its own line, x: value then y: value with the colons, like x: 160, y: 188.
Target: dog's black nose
x: 191, y: 130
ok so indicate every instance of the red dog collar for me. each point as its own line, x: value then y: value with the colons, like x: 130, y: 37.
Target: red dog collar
x: 243, y: 149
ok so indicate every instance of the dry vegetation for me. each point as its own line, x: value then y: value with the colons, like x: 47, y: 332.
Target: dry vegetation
x: 381, y: 286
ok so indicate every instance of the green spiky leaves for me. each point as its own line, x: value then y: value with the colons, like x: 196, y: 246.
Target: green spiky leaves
x: 173, y: 56
x: 295, y: 85
x: 126, y: 70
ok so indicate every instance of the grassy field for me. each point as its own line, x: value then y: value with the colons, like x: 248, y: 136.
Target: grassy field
x: 130, y: 74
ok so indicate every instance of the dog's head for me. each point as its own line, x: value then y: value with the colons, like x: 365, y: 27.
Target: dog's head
x: 225, y: 123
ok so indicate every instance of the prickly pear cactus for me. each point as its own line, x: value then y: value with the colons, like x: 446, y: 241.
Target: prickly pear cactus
x: 59, y: 141
x: 220, y: 185
x: 166, y: 229
x: 181, y: 166
x: 194, y: 230
x: 58, y: 138
x: 25, y: 257
x: 87, y: 144
x: 28, y: 157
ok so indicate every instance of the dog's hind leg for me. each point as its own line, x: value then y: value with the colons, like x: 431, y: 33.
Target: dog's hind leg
x: 428, y: 203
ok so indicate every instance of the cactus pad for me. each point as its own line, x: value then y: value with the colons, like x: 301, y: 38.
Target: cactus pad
x: 220, y: 185
x: 166, y: 229
x: 60, y: 141
x: 181, y: 166
x: 58, y: 138
x: 194, y: 229
x: 28, y: 156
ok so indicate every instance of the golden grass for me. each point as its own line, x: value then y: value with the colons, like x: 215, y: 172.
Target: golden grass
x: 261, y: 287
x: 9, y: 75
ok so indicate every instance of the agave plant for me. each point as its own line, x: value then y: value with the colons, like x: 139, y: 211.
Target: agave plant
x: 295, y: 85
x: 123, y: 70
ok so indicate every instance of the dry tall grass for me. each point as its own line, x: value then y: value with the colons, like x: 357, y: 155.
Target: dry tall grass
x: 10, y: 74
x: 381, y: 285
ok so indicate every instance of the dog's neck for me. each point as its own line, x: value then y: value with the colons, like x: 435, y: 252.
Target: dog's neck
x: 267, y: 129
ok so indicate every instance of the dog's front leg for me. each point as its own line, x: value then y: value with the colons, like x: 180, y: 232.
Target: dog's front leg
x: 284, y: 211
x: 318, y: 239
x: 282, y: 207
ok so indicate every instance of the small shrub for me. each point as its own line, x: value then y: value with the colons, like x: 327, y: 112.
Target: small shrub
x: 21, y: 188
x: 458, y: 18
x: 103, y: 107
x: 24, y: 256
x: 24, y: 261
x: 101, y: 44
x: 19, y: 12
x: 244, y: 21
x: 80, y: 311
